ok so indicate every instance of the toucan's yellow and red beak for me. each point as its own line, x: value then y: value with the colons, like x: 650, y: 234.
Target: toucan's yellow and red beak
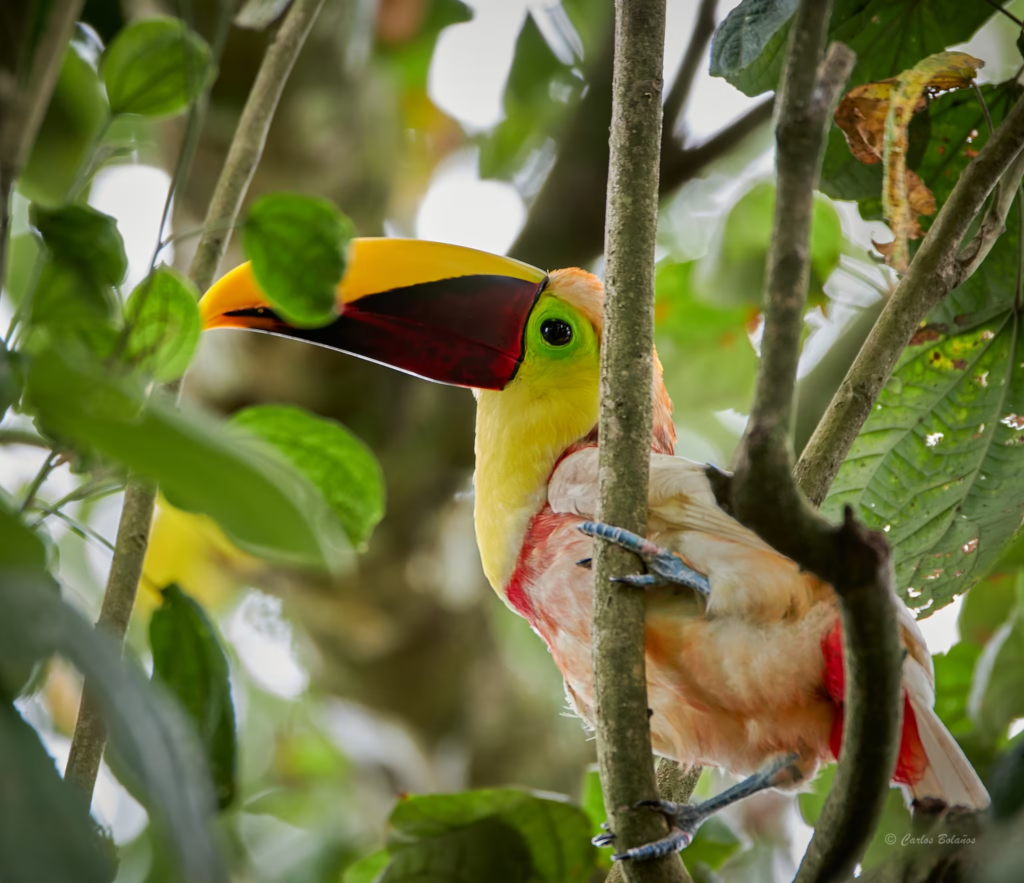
x: 443, y: 312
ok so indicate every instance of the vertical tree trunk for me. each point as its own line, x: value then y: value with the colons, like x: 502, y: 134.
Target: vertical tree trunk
x: 620, y: 684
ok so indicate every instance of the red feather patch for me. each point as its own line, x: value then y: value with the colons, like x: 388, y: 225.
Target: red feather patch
x: 912, y: 760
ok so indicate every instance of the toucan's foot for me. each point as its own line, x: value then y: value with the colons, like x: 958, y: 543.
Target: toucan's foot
x: 685, y: 818
x: 605, y: 839
x: 663, y: 566
x: 676, y: 840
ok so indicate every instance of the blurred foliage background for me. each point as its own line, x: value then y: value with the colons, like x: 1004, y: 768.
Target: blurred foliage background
x: 483, y: 123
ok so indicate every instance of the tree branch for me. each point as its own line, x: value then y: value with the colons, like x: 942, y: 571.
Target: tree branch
x: 565, y: 226
x: 620, y: 682
x: 763, y: 495
x: 140, y: 497
x: 23, y: 105
x: 936, y: 269
x: 682, y: 86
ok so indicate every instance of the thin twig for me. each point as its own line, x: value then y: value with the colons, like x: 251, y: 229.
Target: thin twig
x: 1006, y: 12
x: 49, y: 464
x: 763, y: 495
x: 22, y: 106
x: 565, y: 226
x: 620, y: 684
x: 682, y: 86
x: 936, y: 269
x: 140, y: 496
x: 22, y: 437
x: 993, y: 223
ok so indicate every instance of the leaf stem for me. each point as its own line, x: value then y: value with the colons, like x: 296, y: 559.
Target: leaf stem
x: 132, y: 539
x: 49, y: 464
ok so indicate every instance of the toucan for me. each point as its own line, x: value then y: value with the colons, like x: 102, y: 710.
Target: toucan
x: 744, y: 650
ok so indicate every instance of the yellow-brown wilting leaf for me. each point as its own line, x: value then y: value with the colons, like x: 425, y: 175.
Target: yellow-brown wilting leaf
x: 875, y: 119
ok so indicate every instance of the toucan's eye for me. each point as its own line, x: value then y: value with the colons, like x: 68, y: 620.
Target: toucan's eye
x: 557, y: 332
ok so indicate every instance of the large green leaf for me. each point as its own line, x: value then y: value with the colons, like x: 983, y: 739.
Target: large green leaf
x: 46, y: 832
x: 156, y: 67
x: 503, y: 835
x: 149, y: 735
x: 84, y: 237
x: 889, y: 36
x: 162, y: 318
x: 939, y: 463
x: 337, y: 463
x: 263, y: 504
x: 298, y: 246
x: 189, y: 661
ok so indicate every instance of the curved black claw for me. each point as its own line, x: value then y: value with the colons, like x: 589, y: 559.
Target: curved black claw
x: 606, y: 839
x: 585, y: 563
x: 676, y: 840
x: 664, y: 566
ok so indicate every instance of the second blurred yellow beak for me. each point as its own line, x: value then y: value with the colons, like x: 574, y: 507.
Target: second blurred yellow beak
x: 442, y: 312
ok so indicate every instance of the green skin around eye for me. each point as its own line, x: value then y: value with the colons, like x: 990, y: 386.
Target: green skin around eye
x: 584, y: 340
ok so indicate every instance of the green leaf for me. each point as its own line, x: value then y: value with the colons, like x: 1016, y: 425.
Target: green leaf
x: 592, y: 799
x: 10, y: 379
x: 337, y: 463
x: 986, y: 607
x: 997, y: 688
x: 147, y: 732
x: 889, y: 36
x: 264, y: 505
x: 954, y: 671
x: 697, y: 338
x: 70, y: 302
x: 1006, y: 783
x: 368, y: 869
x: 749, y: 43
x: 86, y: 238
x: 298, y: 246
x: 164, y: 324
x: 189, y: 661
x: 19, y: 546
x: 38, y: 811
x: 939, y: 463
x: 487, y: 849
x: 23, y: 251
x: 156, y: 67
x: 502, y: 834
x: 714, y: 844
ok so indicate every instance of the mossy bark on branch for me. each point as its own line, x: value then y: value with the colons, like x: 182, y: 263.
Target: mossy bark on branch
x: 620, y: 685
x: 132, y: 541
